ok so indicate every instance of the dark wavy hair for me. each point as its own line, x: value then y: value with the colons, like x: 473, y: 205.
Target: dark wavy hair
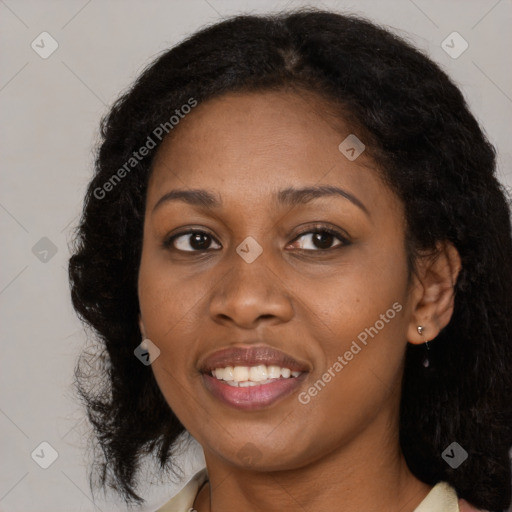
x: 431, y: 151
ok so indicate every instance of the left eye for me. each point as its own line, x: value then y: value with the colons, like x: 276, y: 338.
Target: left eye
x: 321, y: 239
x: 197, y: 240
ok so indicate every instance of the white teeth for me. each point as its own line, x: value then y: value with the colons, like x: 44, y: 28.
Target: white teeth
x: 258, y: 373
x: 247, y: 383
x: 245, y: 376
x: 223, y: 373
x: 274, y: 372
x: 285, y: 373
x: 240, y: 373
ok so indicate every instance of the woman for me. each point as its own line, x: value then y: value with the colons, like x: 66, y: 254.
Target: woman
x: 295, y: 249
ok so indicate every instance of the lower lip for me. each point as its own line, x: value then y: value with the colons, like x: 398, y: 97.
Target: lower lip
x: 252, y: 397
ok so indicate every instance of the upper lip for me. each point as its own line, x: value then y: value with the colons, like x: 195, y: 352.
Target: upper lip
x: 251, y: 356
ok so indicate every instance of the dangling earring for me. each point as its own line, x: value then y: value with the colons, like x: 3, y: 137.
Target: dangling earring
x: 426, y: 361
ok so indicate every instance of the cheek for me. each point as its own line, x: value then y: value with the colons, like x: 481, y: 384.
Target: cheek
x: 170, y: 310
x: 361, y: 314
x: 168, y: 299
x: 360, y: 360
x: 355, y: 295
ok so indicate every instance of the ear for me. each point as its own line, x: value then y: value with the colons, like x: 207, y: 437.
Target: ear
x: 141, y: 327
x: 432, y: 292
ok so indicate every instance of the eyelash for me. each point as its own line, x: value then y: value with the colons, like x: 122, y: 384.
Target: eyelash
x: 168, y: 242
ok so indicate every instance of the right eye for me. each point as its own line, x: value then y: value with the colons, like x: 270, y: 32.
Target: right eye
x: 191, y: 241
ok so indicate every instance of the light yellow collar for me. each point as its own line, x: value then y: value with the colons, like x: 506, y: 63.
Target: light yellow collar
x: 184, y: 500
x: 442, y: 498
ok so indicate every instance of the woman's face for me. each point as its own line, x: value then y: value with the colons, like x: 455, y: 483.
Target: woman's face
x: 264, y: 273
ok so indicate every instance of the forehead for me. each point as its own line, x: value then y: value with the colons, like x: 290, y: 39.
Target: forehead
x: 248, y: 145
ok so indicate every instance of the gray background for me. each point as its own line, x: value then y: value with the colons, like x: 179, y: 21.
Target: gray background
x: 50, y: 114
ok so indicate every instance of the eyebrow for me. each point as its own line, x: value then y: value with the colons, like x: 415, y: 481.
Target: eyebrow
x: 289, y: 196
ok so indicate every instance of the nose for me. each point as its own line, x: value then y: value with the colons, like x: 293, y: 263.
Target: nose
x: 251, y: 293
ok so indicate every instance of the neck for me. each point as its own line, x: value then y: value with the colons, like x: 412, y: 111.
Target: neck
x: 368, y: 473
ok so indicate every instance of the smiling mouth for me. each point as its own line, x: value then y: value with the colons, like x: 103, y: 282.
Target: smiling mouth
x: 252, y: 388
x: 251, y: 378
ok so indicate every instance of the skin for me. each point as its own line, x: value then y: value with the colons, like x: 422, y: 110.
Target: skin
x: 310, y: 303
